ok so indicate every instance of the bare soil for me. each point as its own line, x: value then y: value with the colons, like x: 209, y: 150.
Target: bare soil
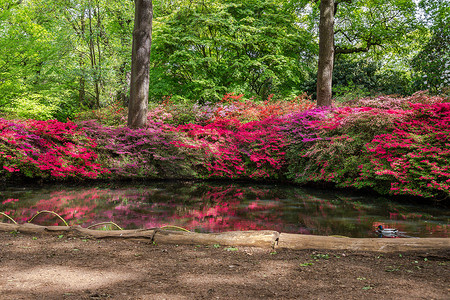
x: 35, y: 266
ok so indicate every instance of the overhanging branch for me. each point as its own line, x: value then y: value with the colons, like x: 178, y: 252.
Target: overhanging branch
x: 339, y: 50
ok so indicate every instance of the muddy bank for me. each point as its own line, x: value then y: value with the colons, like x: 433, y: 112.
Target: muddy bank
x: 69, y: 266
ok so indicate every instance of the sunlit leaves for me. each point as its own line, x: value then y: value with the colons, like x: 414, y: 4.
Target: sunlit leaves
x: 432, y: 63
x: 206, y: 49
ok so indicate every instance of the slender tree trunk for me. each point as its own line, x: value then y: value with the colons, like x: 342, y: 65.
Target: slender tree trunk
x: 99, y: 67
x: 326, y: 53
x: 81, y: 88
x: 140, y: 61
x: 93, y: 58
x: 124, y: 75
x: 82, y: 80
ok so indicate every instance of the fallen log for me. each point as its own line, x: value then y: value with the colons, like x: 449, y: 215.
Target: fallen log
x: 262, y: 239
x: 78, y: 230
x: 300, y: 242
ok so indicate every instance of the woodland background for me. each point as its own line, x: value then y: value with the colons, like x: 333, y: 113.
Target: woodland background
x: 64, y: 57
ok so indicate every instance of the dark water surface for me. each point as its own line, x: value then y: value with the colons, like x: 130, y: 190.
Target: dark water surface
x: 217, y: 207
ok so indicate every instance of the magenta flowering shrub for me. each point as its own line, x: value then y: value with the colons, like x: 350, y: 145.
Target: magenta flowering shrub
x: 335, y: 157
x: 262, y: 147
x: 398, y: 146
x: 413, y: 159
x: 139, y: 153
x: 385, y: 147
x: 235, y: 150
x: 46, y: 149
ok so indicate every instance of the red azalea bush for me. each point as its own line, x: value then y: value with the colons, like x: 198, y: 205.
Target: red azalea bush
x: 413, y: 159
x: 328, y: 145
x: 396, y: 146
x: 233, y: 107
x: 47, y: 149
x: 236, y: 150
x: 392, y: 145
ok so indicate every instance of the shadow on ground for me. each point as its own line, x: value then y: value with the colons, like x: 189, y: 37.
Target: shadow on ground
x: 64, y: 267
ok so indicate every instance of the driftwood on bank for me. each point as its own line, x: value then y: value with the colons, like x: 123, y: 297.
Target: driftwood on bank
x: 262, y: 239
x: 77, y: 230
x: 299, y: 241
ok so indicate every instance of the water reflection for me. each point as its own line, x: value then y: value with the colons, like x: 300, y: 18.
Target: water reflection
x: 213, y: 207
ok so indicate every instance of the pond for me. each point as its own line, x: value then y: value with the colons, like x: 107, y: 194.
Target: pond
x: 218, y: 207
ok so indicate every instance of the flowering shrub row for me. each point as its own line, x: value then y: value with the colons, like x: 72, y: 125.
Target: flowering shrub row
x: 232, y: 107
x: 414, y: 159
x: 236, y: 150
x: 392, y: 145
x: 43, y: 149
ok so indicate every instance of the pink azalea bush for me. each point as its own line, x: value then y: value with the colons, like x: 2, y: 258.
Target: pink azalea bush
x: 232, y: 106
x: 397, y: 146
x: 394, y: 146
x: 413, y: 159
x: 236, y: 150
x: 139, y: 153
x: 47, y: 149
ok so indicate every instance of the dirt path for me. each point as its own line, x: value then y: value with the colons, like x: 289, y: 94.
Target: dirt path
x: 34, y: 266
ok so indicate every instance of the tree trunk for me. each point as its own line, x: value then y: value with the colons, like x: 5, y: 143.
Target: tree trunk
x: 82, y: 80
x: 93, y: 58
x: 140, y: 60
x: 326, y: 53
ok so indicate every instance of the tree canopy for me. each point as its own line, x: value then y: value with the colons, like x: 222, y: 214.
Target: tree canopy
x: 61, y: 57
x: 208, y: 48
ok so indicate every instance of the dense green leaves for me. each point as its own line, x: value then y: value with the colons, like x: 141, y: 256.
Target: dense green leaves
x: 61, y: 57
x: 432, y: 63
x: 205, y: 49
x: 362, y: 25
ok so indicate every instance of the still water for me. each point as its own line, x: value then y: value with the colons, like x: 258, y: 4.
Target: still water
x: 217, y: 207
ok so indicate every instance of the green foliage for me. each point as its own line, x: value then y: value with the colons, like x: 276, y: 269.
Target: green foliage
x: 206, y: 49
x: 320, y: 256
x: 58, y: 57
x: 377, y: 24
x: 432, y: 63
x: 355, y: 78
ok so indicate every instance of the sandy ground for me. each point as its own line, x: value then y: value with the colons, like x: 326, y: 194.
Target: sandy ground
x: 34, y: 266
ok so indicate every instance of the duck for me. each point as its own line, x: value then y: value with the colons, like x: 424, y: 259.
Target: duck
x: 386, y: 232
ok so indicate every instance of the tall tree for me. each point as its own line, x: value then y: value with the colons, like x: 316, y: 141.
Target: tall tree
x: 326, y: 53
x: 357, y: 27
x: 140, y: 61
x: 59, y: 58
